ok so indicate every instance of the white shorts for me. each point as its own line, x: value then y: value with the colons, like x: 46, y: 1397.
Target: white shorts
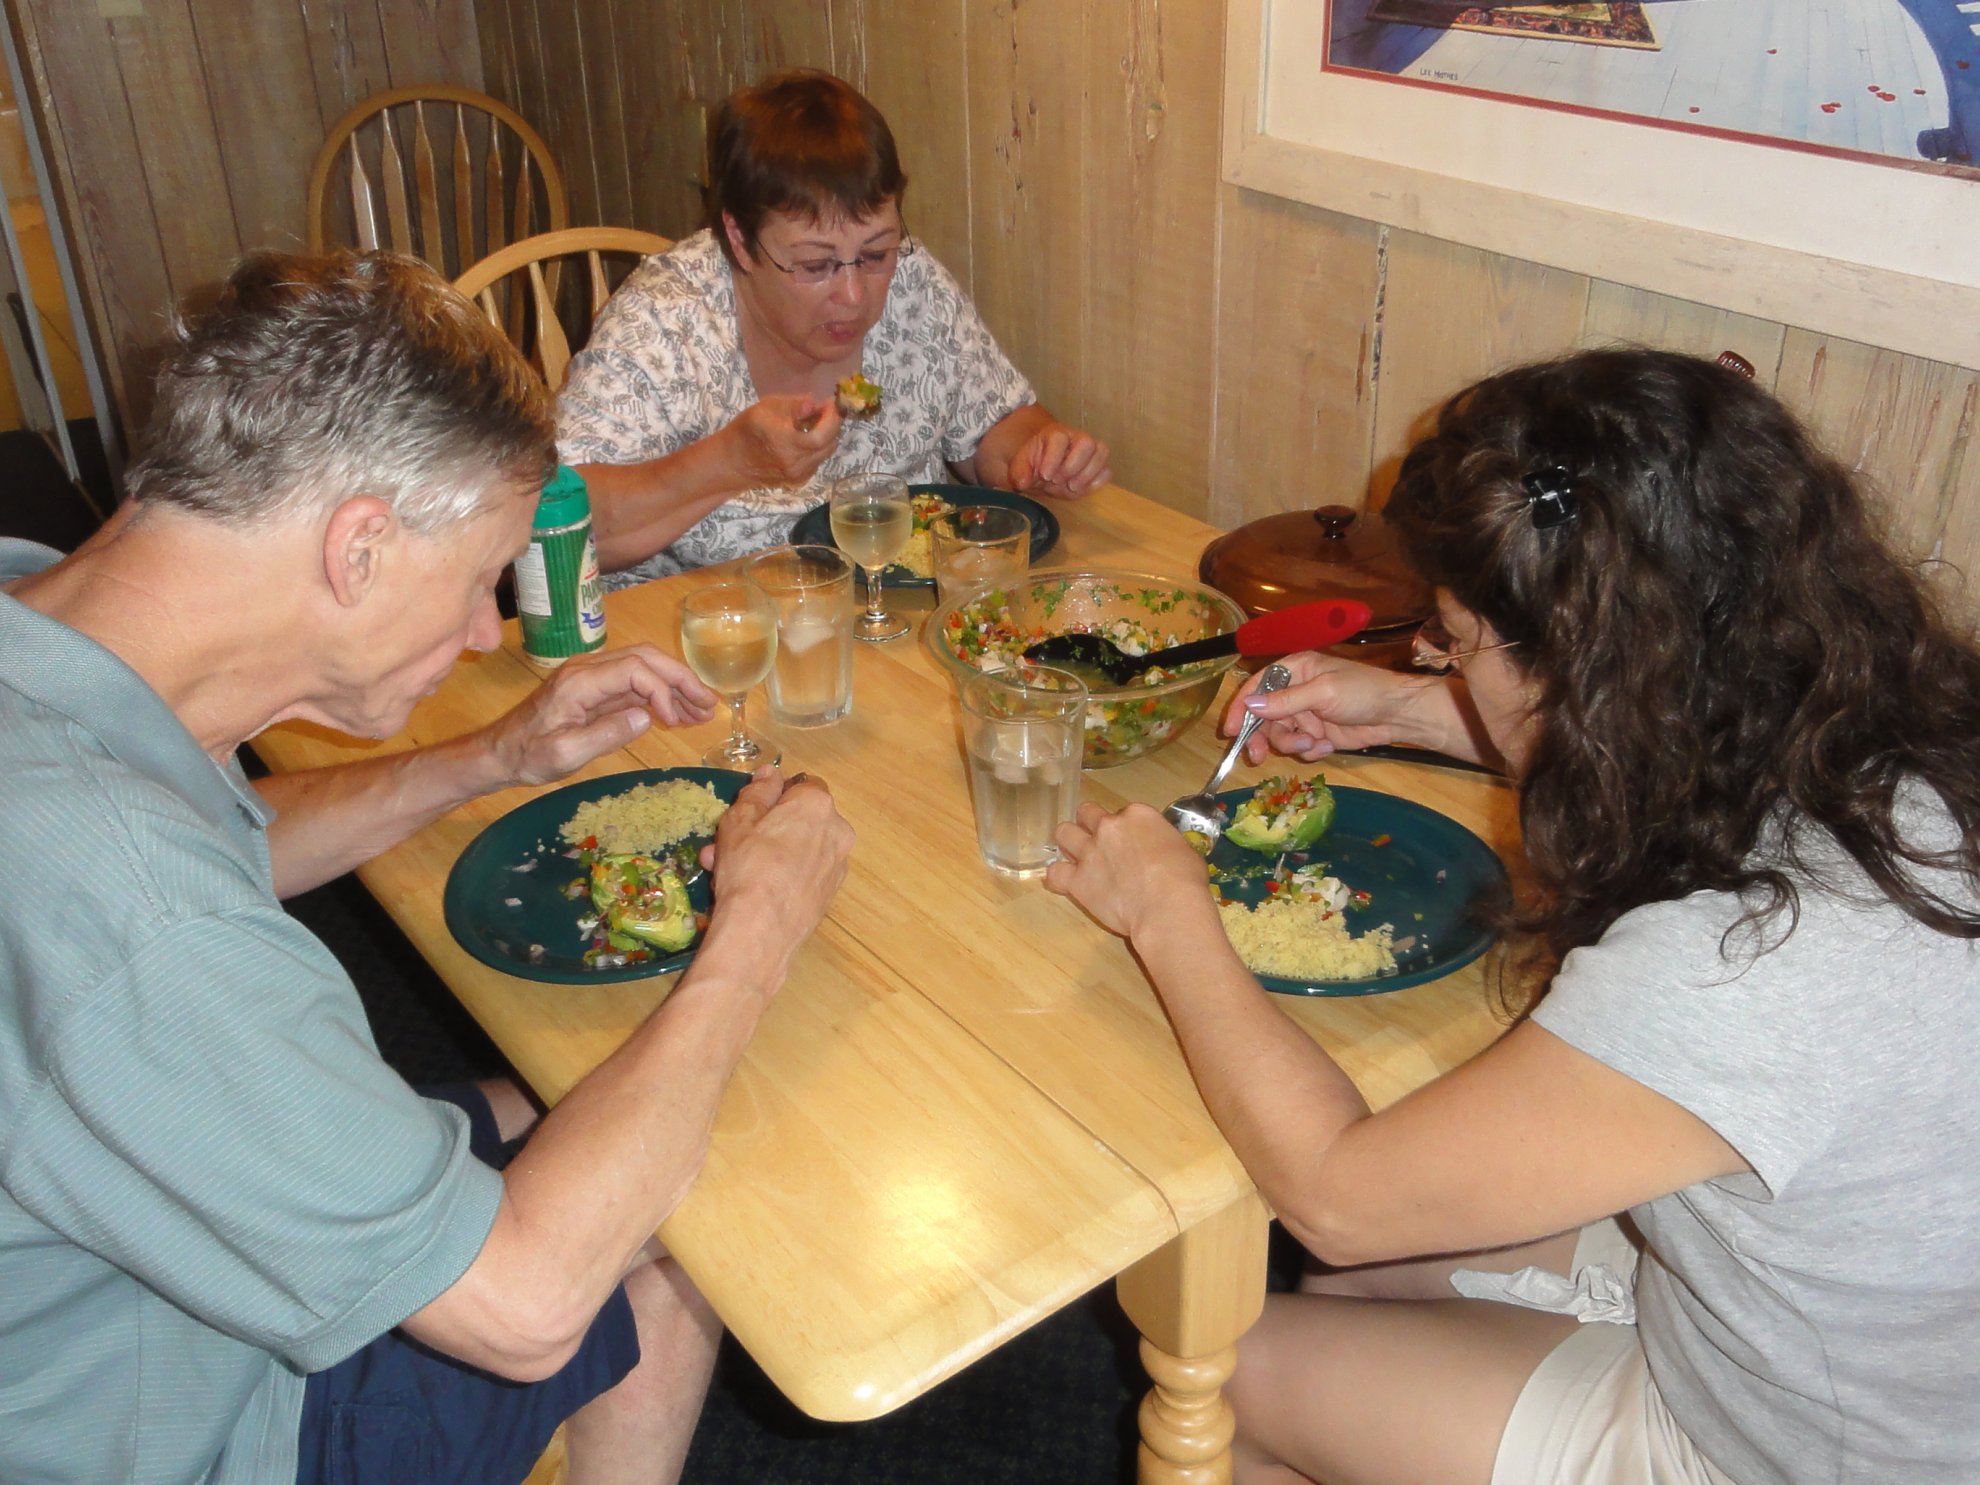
x: 1590, y: 1413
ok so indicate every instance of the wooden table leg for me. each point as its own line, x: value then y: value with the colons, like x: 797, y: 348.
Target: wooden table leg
x: 1191, y: 1300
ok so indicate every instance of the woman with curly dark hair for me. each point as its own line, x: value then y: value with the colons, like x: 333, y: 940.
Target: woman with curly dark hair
x: 1709, y: 1212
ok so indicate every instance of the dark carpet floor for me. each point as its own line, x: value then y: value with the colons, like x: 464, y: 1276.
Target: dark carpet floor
x: 1053, y: 1407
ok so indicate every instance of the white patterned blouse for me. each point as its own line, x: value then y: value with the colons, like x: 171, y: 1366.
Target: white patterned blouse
x: 665, y: 368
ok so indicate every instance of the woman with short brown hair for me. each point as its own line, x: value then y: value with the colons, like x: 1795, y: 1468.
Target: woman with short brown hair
x: 702, y: 413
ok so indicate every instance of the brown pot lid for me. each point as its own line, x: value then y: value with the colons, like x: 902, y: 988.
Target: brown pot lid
x: 1302, y: 556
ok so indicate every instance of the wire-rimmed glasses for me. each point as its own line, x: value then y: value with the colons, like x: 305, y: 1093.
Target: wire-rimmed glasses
x: 1433, y: 649
x: 873, y: 263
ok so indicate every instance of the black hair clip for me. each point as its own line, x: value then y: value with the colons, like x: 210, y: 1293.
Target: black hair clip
x: 1549, y: 496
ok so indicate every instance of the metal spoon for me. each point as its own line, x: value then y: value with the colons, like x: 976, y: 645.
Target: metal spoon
x: 1201, y: 813
x: 1308, y: 626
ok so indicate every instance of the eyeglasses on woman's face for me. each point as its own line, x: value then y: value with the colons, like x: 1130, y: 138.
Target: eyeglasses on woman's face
x: 1434, y: 650
x: 874, y: 262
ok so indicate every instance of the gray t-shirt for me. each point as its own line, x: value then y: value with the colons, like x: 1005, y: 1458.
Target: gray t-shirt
x: 209, y: 1182
x: 664, y: 368
x: 1818, y: 1320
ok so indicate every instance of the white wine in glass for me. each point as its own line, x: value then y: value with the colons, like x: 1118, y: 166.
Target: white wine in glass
x: 872, y: 519
x: 729, y: 638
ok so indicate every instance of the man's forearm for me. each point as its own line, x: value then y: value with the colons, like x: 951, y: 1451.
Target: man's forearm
x: 607, y: 1166
x: 331, y: 820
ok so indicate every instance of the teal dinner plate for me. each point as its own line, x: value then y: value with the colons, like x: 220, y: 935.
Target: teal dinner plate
x: 1426, y: 879
x: 814, y: 527
x: 508, y: 890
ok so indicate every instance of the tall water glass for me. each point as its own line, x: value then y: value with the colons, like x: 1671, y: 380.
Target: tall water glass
x: 977, y: 547
x: 872, y: 519
x: 811, y: 588
x: 729, y: 637
x: 1025, y: 732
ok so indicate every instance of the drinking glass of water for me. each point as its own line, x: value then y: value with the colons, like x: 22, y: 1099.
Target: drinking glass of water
x: 872, y: 519
x: 811, y: 588
x: 1025, y: 731
x: 976, y: 547
x: 729, y: 638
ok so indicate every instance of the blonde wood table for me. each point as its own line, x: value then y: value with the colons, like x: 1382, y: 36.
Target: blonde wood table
x: 966, y: 1108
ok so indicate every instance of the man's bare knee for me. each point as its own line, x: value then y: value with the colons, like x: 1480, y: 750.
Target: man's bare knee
x: 664, y: 1297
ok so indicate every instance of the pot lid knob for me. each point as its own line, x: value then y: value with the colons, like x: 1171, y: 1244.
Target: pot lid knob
x: 1335, y: 519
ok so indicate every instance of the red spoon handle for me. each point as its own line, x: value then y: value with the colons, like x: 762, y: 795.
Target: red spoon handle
x: 1307, y: 626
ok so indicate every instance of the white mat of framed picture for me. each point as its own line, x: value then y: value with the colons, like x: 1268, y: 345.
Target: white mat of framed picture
x: 1878, y: 251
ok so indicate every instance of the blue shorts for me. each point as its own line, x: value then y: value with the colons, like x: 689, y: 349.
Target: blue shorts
x: 397, y: 1413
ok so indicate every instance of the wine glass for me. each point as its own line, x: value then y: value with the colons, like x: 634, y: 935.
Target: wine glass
x: 872, y: 519
x: 729, y: 637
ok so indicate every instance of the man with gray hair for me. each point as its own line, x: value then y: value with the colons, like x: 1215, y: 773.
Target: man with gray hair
x: 234, y: 1246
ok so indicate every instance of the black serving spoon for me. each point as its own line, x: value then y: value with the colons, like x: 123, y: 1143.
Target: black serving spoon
x: 1308, y: 626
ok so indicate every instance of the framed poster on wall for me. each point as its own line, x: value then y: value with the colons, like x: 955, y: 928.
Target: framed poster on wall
x: 1818, y: 166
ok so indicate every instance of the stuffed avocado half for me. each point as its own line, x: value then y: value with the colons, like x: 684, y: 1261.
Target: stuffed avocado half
x: 641, y: 903
x: 1283, y: 815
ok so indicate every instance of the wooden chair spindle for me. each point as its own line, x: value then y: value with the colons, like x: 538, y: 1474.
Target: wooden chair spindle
x: 364, y: 213
x: 432, y: 244
x: 393, y: 168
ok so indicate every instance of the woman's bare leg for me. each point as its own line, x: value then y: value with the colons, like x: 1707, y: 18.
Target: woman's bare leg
x: 1385, y: 1377
x: 1382, y: 1392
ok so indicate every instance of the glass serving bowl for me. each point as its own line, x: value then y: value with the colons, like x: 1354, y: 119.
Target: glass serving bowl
x: 1122, y: 722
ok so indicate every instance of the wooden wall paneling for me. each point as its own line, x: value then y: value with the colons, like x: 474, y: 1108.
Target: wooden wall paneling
x: 265, y: 114
x: 913, y: 56
x: 504, y: 65
x: 346, y: 54
x: 428, y: 41
x: 599, y: 34
x: 1293, y: 379
x: 712, y: 47
x: 1029, y: 184
x: 708, y: 36
x: 786, y: 33
x: 648, y: 74
x: 1907, y: 427
x: 1451, y: 315
x: 86, y: 120
x: 533, y: 83
x: 1149, y: 194
x: 568, y: 116
x: 176, y: 147
x: 1959, y: 542
x: 501, y: 68
x: 850, y: 21
x: 1619, y: 315
x: 663, y: 139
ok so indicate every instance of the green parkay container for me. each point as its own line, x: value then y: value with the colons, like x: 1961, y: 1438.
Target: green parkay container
x: 558, y: 593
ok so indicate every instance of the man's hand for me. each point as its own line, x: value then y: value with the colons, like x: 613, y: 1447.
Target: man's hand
x: 593, y: 704
x: 782, y: 440
x: 1127, y: 869
x: 1062, y: 461
x: 778, y: 858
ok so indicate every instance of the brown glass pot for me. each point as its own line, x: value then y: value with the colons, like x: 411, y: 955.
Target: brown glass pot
x: 1333, y: 552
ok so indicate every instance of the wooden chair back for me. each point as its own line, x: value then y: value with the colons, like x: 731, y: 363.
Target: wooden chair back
x: 380, y: 181
x: 549, y: 348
